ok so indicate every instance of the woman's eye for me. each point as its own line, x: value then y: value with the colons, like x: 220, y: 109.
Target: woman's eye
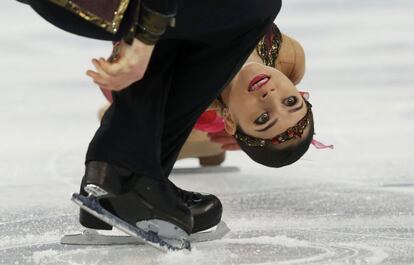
x: 262, y: 119
x: 290, y: 101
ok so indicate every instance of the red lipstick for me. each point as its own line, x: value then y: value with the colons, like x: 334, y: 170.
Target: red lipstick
x: 258, y: 81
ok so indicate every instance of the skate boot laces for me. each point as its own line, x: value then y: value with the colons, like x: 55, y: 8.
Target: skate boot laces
x: 189, y: 198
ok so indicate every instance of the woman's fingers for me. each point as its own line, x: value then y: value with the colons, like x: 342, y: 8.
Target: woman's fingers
x: 102, y: 78
x: 130, y: 67
x: 112, y: 69
x: 100, y: 69
x: 97, y: 77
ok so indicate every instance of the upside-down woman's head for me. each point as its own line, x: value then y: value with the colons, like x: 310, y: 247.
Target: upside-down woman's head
x: 271, y: 121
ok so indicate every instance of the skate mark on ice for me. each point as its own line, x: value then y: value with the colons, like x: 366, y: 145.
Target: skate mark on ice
x: 24, y: 255
x: 56, y: 168
x: 363, y: 235
x: 39, y: 226
x: 34, y: 219
x: 102, y: 255
x: 398, y: 185
x: 266, y: 250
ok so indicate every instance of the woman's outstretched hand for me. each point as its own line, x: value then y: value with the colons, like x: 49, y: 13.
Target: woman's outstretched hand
x: 226, y: 140
x: 129, y: 66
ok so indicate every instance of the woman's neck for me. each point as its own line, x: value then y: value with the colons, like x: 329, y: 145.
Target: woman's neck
x: 291, y: 62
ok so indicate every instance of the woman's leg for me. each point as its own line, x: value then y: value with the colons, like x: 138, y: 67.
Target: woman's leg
x: 123, y: 168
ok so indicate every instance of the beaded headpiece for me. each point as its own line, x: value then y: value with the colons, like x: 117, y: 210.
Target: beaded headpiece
x: 293, y: 132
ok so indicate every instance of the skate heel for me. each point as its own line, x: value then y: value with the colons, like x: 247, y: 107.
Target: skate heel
x: 89, y: 221
x: 103, y: 180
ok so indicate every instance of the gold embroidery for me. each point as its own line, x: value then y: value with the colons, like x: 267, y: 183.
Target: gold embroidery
x: 111, y: 26
x: 269, y: 54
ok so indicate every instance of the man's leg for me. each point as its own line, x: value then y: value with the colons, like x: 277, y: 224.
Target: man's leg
x: 130, y: 131
x: 123, y: 169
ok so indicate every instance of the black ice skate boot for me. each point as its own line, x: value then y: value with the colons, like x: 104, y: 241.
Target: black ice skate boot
x: 205, y: 208
x: 141, y: 206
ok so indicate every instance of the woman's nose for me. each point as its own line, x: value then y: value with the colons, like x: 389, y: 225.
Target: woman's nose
x: 266, y: 93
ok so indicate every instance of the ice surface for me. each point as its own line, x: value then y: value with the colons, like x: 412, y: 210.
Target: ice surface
x: 352, y: 205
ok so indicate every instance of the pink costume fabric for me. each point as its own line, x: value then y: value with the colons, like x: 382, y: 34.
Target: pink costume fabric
x: 210, y: 122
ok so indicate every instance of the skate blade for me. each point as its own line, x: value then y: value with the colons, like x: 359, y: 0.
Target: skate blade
x: 147, y: 235
x: 93, y: 237
x: 215, y: 233
x: 97, y: 238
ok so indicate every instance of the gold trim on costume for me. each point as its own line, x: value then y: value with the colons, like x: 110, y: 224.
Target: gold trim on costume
x: 269, y: 46
x: 111, y: 26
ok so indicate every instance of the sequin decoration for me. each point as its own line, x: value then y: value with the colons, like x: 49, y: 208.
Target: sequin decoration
x: 268, y: 47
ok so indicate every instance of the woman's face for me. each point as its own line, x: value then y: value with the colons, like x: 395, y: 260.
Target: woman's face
x: 263, y: 102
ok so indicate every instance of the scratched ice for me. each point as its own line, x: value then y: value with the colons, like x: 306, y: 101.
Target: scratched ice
x: 353, y: 205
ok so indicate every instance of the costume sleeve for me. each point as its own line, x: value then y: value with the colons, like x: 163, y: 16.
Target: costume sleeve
x: 165, y: 7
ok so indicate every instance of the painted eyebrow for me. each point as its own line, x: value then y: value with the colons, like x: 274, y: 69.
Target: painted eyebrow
x: 297, y: 109
x: 274, y: 122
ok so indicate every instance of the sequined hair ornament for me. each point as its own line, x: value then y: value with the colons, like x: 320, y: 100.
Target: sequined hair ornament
x: 294, y: 132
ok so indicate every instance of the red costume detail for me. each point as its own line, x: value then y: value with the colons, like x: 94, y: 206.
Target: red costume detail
x: 210, y: 122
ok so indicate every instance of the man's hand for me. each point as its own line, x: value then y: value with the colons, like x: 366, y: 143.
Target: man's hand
x: 226, y: 140
x: 130, y: 66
